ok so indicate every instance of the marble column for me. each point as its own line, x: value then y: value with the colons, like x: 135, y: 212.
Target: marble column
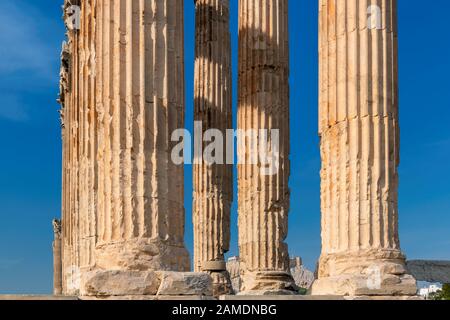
x: 57, y: 259
x: 70, y: 110
x: 213, y: 185
x: 359, y: 133
x: 140, y: 102
x: 263, y: 195
x: 87, y: 136
x: 78, y: 120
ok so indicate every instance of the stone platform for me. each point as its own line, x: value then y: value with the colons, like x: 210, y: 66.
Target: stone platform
x: 17, y: 297
x: 204, y: 298
x: 145, y: 284
x: 279, y: 298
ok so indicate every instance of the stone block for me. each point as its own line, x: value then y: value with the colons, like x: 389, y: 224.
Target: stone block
x: 185, y: 284
x: 118, y: 283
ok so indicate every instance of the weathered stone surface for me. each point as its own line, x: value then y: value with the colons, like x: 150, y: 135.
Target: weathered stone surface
x: 221, y: 283
x: 429, y: 270
x: 268, y: 283
x: 213, y: 185
x: 118, y: 283
x: 77, y: 122
x: 140, y: 102
x: 185, y: 283
x: 303, y: 278
x: 263, y: 103
x: 359, y: 130
x: 373, y: 272
x: 214, y: 266
x: 122, y: 95
x: 361, y: 285
x: 141, y: 255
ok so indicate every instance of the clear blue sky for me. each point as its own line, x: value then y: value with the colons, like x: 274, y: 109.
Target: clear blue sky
x: 30, y: 146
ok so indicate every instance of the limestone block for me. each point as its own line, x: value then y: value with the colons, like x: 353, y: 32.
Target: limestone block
x: 360, y: 285
x: 185, y: 283
x: 118, y: 283
x: 268, y: 283
x: 303, y: 277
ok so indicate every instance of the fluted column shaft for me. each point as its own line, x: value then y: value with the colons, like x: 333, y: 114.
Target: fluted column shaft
x: 213, y: 186
x: 358, y: 124
x: 57, y: 259
x: 70, y: 110
x: 263, y: 202
x: 87, y: 138
x: 140, y: 102
x: 79, y: 142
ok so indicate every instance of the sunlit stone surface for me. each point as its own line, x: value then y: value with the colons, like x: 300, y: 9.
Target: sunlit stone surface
x: 360, y: 151
x: 213, y: 185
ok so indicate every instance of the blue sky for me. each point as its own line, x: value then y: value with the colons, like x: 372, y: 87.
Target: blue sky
x: 30, y: 164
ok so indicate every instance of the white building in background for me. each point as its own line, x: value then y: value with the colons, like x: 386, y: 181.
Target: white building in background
x: 425, y: 292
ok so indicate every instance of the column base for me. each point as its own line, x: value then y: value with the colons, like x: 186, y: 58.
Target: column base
x: 361, y: 285
x: 380, y: 273
x: 141, y: 254
x: 217, y: 269
x: 268, y: 283
x: 221, y: 283
x: 116, y: 284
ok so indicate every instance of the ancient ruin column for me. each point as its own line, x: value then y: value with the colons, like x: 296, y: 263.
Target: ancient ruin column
x: 140, y: 102
x: 65, y: 213
x: 87, y: 138
x: 359, y: 133
x: 70, y: 110
x: 78, y: 117
x: 263, y: 185
x: 213, y: 186
x: 57, y: 258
